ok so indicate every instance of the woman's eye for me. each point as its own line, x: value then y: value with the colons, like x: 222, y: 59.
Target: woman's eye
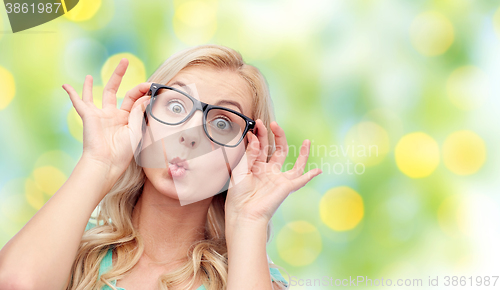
x: 221, y: 124
x: 176, y: 107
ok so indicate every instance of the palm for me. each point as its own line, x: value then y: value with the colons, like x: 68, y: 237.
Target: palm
x: 106, y: 132
x: 106, y: 136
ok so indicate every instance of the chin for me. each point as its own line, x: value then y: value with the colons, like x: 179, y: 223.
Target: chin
x: 167, y: 188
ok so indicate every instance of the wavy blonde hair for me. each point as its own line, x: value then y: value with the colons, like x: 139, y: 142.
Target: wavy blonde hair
x: 206, y: 258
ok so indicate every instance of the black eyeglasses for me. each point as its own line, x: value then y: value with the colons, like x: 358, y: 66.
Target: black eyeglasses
x: 223, y: 126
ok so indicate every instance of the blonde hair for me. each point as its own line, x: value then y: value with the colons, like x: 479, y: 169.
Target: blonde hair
x: 114, y: 230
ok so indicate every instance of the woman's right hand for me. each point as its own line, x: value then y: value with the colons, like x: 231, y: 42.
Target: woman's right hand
x: 106, y: 137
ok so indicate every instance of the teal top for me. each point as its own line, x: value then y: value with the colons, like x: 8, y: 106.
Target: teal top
x: 107, y: 264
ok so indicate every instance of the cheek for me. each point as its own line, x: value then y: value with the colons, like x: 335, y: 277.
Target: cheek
x: 213, y: 165
x: 159, y: 130
x: 152, y: 173
x: 158, y: 177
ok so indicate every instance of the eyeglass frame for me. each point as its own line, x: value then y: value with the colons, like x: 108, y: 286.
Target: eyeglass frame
x: 197, y: 105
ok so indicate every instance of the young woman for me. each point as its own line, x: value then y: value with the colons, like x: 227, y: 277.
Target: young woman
x: 143, y: 237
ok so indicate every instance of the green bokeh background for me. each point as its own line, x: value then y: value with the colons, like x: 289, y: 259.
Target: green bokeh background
x: 377, y: 70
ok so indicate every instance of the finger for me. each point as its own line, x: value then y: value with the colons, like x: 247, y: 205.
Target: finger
x: 142, y: 101
x: 109, y: 94
x: 262, y: 136
x: 75, y: 99
x: 281, y: 152
x: 300, y: 163
x: 302, y: 180
x: 253, y: 149
x: 134, y: 94
x: 87, y: 90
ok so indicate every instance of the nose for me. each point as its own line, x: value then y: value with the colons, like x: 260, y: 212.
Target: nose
x: 191, y: 133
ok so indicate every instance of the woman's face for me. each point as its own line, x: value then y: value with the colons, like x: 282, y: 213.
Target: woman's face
x: 196, y: 167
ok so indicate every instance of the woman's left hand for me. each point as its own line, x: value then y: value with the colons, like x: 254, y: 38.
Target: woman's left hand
x: 261, y: 186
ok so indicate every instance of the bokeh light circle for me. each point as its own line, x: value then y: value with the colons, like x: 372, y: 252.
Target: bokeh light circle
x: 368, y: 143
x: 464, y: 152
x: 431, y: 33
x: 468, y: 87
x: 135, y: 74
x: 299, y: 243
x: 417, y: 155
x: 58, y: 159
x: 49, y: 179
x: 341, y: 208
x: 8, y: 88
x: 84, y: 10
x: 195, y: 22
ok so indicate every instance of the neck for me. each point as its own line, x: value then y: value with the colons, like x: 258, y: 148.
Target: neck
x: 167, y: 228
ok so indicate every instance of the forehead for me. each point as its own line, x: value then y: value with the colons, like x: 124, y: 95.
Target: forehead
x: 217, y: 87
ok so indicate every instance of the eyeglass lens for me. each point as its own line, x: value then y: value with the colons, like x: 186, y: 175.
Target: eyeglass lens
x: 174, y: 108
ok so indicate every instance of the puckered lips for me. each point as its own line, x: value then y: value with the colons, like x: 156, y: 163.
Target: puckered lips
x: 177, y: 167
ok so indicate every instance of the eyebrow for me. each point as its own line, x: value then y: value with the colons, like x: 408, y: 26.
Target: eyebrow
x: 236, y: 104
x: 181, y: 84
x: 221, y: 102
